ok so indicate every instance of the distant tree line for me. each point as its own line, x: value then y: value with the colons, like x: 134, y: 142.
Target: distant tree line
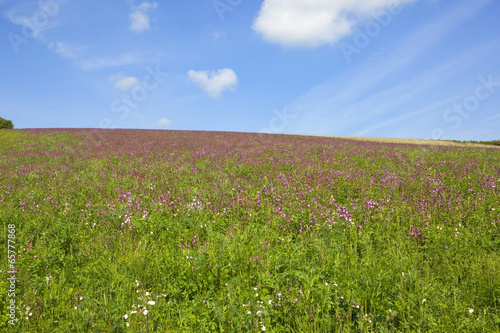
x: 492, y: 142
x: 4, y: 123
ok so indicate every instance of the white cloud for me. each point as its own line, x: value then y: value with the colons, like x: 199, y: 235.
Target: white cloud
x: 124, y: 83
x: 32, y: 28
x: 214, y: 83
x: 65, y: 50
x: 346, y: 103
x: 105, y: 62
x: 491, y: 118
x: 139, y: 16
x: 161, y: 123
x: 80, y: 58
x: 311, y: 23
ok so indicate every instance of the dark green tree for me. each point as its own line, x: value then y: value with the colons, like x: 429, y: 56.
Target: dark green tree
x: 4, y: 123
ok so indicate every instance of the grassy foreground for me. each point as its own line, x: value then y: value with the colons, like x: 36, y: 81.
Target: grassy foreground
x: 173, y: 231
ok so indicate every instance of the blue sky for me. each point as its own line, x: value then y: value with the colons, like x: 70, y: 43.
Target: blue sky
x: 386, y: 68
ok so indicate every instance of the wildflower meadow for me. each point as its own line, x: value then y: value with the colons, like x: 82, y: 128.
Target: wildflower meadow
x: 186, y: 231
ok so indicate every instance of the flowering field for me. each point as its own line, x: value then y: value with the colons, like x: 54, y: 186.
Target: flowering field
x: 178, y: 231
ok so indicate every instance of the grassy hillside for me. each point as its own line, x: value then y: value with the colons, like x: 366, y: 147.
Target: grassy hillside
x: 178, y: 231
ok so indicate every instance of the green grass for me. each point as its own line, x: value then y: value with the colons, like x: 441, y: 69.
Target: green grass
x: 96, y: 255
x: 5, y: 135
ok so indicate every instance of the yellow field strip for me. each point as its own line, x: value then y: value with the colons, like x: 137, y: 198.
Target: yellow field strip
x: 410, y: 141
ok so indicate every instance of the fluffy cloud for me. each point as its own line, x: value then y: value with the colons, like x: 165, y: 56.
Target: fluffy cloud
x: 311, y: 23
x: 162, y: 123
x: 124, y: 83
x: 139, y: 18
x: 214, y: 83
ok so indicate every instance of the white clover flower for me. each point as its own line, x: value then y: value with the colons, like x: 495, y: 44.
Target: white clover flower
x: 259, y: 313
x: 471, y: 311
x: 145, y: 312
x: 326, y: 284
x: 270, y: 301
x: 32, y: 314
x: 147, y: 294
x: 133, y: 311
x: 263, y: 328
x: 151, y: 302
x: 128, y: 324
x: 125, y: 316
x: 424, y: 300
x: 249, y: 312
x: 28, y: 308
x: 81, y: 298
